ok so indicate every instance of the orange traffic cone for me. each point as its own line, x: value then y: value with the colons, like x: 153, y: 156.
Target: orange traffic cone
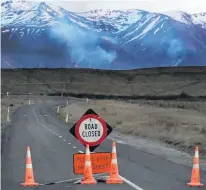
x: 114, y: 177
x: 29, y: 176
x: 88, y: 175
x: 195, y: 177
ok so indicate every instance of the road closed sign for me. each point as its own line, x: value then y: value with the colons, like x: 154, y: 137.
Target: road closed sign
x: 101, y: 162
x: 91, y: 129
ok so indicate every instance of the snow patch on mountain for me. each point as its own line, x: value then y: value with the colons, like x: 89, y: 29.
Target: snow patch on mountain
x: 189, y: 19
x: 179, y: 16
x: 200, y: 18
x: 10, y: 10
x: 149, y: 24
x: 119, y: 19
x: 39, y: 15
x: 145, y: 30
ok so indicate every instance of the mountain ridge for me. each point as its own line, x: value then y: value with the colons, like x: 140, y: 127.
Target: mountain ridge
x: 125, y: 39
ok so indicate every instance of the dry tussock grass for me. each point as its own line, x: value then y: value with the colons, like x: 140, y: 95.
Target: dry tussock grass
x: 181, y: 127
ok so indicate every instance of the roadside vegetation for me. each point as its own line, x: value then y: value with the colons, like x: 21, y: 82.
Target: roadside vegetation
x: 13, y: 103
x: 179, y: 124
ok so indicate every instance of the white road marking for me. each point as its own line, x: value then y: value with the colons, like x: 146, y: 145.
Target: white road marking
x: 69, y: 143
x: 80, y: 151
x: 74, y: 179
x: 38, y: 118
x: 131, y: 184
x: 74, y: 147
x: 64, y: 140
x: 121, y: 142
x: 60, y: 136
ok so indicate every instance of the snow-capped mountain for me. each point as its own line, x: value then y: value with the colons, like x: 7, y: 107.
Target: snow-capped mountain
x: 188, y: 19
x: 119, y: 19
x: 10, y: 10
x: 199, y: 19
x: 43, y: 34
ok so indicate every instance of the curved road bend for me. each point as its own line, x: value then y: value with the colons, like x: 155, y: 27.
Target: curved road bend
x: 52, y: 148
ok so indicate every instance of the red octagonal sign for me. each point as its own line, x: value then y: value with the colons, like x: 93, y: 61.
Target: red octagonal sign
x: 91, y: 129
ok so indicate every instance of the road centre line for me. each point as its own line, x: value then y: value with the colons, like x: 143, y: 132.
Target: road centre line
x: 123, y: 178
x: 38, y: 118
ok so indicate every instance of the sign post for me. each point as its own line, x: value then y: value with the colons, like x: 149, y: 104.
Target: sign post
x: 91, y: 129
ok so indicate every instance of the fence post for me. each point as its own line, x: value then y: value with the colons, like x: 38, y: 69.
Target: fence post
x: 8, y: 111
x: 67, y: 118
x: 7, y: 117
x: 58, y: 109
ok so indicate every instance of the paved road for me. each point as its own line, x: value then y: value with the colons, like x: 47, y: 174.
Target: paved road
x: 52, y: 149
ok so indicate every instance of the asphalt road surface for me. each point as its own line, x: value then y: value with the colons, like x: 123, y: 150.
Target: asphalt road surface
x: 52, y: 149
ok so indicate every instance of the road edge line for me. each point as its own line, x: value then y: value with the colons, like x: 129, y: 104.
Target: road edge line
x: 130, y: 183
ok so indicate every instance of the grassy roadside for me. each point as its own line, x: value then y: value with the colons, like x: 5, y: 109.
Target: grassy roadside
x: 13, y: 102
x: 178, y: 124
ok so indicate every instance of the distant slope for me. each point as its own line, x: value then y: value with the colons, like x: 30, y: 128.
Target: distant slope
x: 144, y: 82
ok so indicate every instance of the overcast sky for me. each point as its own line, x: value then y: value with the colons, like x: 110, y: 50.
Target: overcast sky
x: 190, y: 6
